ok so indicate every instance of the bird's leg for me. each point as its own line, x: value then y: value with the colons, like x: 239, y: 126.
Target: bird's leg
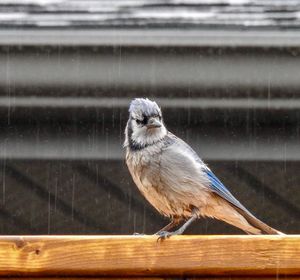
x: 166, y: 234
x: 174, y: 222
x: 185, y: 225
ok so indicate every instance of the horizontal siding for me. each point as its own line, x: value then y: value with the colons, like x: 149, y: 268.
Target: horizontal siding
x: 223, y: 14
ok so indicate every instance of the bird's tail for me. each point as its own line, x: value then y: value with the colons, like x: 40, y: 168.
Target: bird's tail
x: 257, y: 224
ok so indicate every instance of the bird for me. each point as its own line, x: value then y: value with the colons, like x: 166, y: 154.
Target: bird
x: 173, y: 178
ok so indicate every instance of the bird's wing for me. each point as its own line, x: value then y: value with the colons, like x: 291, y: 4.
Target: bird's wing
x: 218, y: 188
x: 211, y: 182
x: 179, y: 168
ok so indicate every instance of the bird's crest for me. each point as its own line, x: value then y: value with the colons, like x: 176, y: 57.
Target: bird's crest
x: 140, y: 107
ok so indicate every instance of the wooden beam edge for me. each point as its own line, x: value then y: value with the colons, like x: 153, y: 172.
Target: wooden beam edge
x: 188, y: 255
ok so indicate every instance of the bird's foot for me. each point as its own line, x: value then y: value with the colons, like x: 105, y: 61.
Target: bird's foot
x: 137, y: 233
x: 162, y: 235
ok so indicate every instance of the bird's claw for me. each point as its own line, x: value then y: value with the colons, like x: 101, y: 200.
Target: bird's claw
x: 162, y: 235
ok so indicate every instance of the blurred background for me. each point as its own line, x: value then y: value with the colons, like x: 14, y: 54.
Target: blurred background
x: 225, y: 72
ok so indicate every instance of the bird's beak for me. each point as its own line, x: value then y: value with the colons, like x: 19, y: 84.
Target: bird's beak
x: 153, y: 123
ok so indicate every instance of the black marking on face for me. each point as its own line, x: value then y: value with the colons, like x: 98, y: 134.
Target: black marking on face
x: 129, y: 129
x: 132, y: 144
x: 142, y: 122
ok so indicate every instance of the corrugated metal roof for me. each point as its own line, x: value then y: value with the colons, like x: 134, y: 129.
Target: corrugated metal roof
x: 222, y: 14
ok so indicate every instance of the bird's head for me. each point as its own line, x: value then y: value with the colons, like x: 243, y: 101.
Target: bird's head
x: 145, y: 124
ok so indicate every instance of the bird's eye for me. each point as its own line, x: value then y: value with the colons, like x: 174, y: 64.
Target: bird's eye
x: 158, y: 116
x: 138, y: 121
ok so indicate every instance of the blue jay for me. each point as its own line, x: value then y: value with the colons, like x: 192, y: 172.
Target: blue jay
x: 172, y: 177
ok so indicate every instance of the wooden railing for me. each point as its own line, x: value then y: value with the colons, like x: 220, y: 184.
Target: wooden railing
x: 144, y: 256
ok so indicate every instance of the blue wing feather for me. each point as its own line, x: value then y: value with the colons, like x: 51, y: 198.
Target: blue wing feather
x: 218, y: 187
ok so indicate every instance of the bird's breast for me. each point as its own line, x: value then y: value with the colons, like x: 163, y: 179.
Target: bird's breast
x: 144, y: 168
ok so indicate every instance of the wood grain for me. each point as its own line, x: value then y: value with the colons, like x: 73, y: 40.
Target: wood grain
x: 143, y: 256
